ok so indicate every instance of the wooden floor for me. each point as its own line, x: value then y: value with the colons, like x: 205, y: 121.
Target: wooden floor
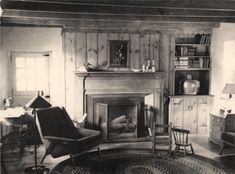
x: 16, y: 162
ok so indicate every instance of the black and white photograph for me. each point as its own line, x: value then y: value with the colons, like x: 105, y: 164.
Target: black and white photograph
x: 117, y: 86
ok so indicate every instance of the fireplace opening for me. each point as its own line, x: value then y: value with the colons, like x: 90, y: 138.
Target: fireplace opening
x: 121, y: 118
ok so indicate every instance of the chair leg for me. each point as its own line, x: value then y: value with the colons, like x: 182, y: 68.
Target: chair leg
x: 222, y: 149
x: 184, y: 151
x: 43, y: 158
x: 192, y: 149
x: 3, y: 167
x: 153, y: 148
x: 72, y: 160
x: 176, y: 149
x: 101, y: 156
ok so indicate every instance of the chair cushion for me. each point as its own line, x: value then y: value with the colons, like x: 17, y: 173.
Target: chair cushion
x: 77, y: 147
x: 56, y: 122
x: 229, y: 137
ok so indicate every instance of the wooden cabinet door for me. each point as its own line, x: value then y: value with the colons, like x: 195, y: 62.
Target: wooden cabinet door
x: 204, y: 107
x: 190, y: 114
x: 176, y: 112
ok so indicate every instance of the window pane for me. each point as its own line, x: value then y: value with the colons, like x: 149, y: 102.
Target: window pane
x: 20, y: 62
x: 41, y: 84
x: 30, y: 63
x: 31, y: 85
x: 20, y: 74
x: 20, y: 85
x: 41, y: 74
x: 40, y: 63
x: 30, y: 74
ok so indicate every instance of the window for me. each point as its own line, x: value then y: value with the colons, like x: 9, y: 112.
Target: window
x: 30, y: 74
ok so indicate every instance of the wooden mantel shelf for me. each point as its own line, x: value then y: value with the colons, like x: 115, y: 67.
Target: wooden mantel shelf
x: 119, y: 73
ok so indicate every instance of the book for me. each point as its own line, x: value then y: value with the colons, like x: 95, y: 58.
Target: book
x: 202, y: 39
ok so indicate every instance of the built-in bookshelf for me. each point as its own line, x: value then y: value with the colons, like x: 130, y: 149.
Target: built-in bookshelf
x: 192, y: 57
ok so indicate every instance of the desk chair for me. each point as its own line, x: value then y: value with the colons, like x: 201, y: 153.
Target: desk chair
x: 181, y: 141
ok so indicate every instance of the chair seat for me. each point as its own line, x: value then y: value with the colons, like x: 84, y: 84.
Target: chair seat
x: 83, y: 132
x: 188, y: 144
x: 77, y: 147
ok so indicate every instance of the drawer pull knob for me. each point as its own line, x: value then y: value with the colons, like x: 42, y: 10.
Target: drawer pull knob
x: 176, y: 103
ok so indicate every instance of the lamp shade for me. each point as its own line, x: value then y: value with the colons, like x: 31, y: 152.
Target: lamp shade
x: 1, y: 11
x: 38, y: 102
x: 229, y: 88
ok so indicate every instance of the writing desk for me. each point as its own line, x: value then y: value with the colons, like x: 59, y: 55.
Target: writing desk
x: 15, y: 122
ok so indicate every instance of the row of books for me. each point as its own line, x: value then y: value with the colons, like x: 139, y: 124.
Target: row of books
x: 182, y: 62
x: 203, y: 38
x: 185, y: 62
x: 197, y: 39
x: 190, y: 51
x: 185, y: 51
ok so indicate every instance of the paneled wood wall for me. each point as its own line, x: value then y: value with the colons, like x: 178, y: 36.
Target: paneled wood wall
x: 93, y: 47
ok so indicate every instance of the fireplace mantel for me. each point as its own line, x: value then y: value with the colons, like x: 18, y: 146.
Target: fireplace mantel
x: 120, y: 73
x: 93, y: 85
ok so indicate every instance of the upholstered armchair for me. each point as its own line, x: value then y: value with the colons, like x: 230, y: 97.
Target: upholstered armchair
x: 228, y: 136
x: 61, y: 137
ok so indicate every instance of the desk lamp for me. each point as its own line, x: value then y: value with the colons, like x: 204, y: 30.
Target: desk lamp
x: 229, y: 88
x: 37, y: 102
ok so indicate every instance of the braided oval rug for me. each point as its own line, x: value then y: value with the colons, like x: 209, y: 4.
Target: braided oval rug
x: 140, y: 162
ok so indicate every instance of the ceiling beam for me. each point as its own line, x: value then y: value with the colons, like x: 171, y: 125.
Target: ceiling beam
x: 194, y: 4
x: 65, y: 12
x: 115, y: 10
x: 109, y: 25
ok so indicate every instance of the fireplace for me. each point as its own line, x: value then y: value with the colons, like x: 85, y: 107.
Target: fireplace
x: 115, y: 102
x: 120, y: 117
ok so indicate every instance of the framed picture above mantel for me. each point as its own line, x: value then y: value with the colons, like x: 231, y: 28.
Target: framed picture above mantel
x: 118, y: 54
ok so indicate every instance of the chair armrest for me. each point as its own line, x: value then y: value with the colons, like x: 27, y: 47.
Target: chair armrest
x: 60, y: 138
x: 67, y: 139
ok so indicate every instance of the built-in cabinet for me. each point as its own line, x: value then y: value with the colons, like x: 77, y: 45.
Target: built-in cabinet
x: 191, y: 112
x: 191, y: 61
